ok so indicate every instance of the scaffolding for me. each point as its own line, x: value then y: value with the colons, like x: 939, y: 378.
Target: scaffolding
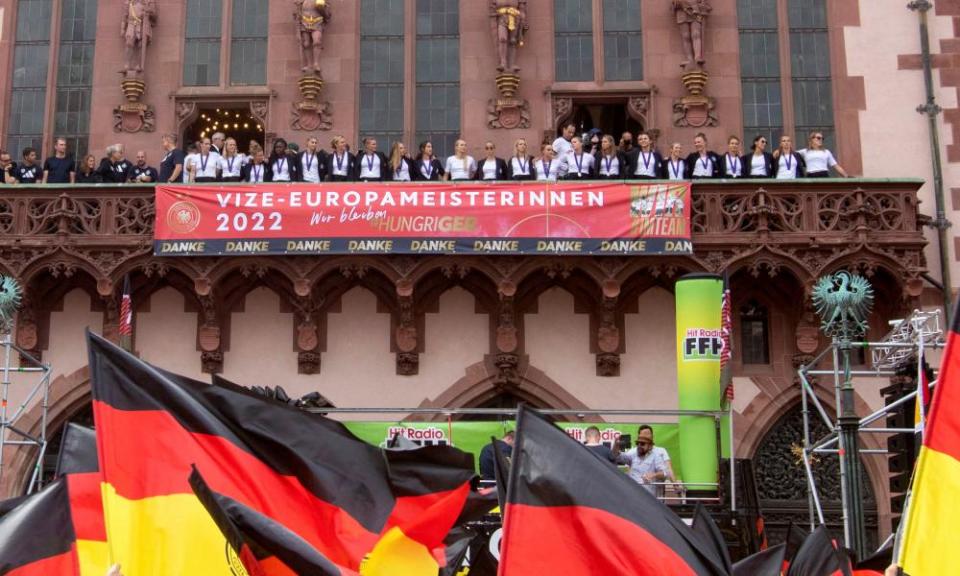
x: 12, y: 423
x: 908, y: 340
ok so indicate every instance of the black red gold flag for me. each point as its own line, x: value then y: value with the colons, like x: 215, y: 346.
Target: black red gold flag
x: 346, y: 498
x: 709, y: 532
x: 37, y: 537
x: 767, y: 562
x: 818, y: 556
x: 570, y: 513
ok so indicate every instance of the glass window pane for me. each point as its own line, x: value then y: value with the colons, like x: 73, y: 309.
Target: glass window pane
x: 248, y: 43
x: 381, y: 71
x: 28, y: 85
x: 438, y: 74
x: 78, y: 24
x: 573, y: 40
x: 810, y: 65
x: 622, y: 40
x: 760, y: 69
x: 201, y: 50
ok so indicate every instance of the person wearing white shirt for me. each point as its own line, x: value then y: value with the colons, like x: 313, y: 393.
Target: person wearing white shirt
x: 702, y: 163
x: 231, y: 162
x: 649, y: 464
x: 818, y: 159
x: 312, y: 162
x: 190, y: 162
x: 207, y: 164
x: 674, y: 166
x: 490, y: 167
x: 643, y: 161
x: 284, y: 164
x: 549, y: 168
x: 401, y: 167
x: 520, y: 166
x: 371, y: 166
x: 731, y: 166
x: 339, y: 162
x: 611, y: 163
x: 562, y: 145
x: 789, y: 164
x: 460, y: 166
x: 580, y: 166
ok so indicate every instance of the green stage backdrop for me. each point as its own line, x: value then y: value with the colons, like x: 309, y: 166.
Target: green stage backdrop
x: 472, y: 436
x: 698, y: 372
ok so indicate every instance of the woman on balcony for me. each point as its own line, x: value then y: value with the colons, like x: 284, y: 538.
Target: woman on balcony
x: 702, y: 163
x: 256, y: 171
x: 643, y: 162
x: 730, y: 165
x: 790, y: 165
x: 460, y: 166
x: 521, y: 164
x: 87, y: 171
x: 760, y: 163
x: 339, y: 162
x: 611, y: 163
x: 284, y: 164
x: 490, y: 167
x: 549, y: 169
x: 206, y: 166
x: 818, y: 159
x: 427, y: 167
x: 401, y: 167
x: 580, y: 166
x: 231, y: 162
x: 675, y: 167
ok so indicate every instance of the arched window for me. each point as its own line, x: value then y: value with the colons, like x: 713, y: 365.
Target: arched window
x: 754, y: 333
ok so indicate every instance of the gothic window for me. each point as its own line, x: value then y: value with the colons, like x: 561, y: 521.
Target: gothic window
x: 438, y: 73
x: 201, y: 50
x: 31, y: 55
x: 810, y: 68
x: 760, y: 69
x: 248, y: 43
x: 78, y: 30
x: 754, y: 333
x: 573, y: 40
x: 622, y: 40
x: 381, y: 70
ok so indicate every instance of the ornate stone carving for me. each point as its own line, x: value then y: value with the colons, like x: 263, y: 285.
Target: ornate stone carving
x: 312, y: 114
x: 208, y: 335
x: 212, y: 362
x: 308, y: 363
x: 136, y: 28
x: 637, y: 107
x: 185, y: 110
x: 311, y: 17
x: 259, y: 110
x: 405, y: 336
x: 608, y: 365
x: 506, y: 370
x: 408, y: 363
x: 562, y: 109
x: 508, y: 23
x: 691, y: 18
x: 695, y: 111
x: 508, y: 113
x: 134, y: 117
x: 507, y: 334
x: 608, y: 335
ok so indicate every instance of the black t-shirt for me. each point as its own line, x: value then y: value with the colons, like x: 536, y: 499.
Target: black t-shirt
x: 28, y: 174
x: 115, y: 172
x: 8, y: 171
x: 170, y: 161
x: 58, y: 169
x: 136, y: 171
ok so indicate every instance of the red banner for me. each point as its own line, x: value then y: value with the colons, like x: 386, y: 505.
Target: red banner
x: 428, y: 218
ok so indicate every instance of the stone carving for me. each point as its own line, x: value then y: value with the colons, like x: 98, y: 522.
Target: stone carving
x: 310, y: 115
x: 136, y: 29
x: 137, y: 117
x: 692, y: 20
x: 508, y: 18
x: 405, y: 335
x: 508, y: 23
x: 608, y: 365
x: 311, y: 16
x: 308, y: 363
x: 259, y: 109
x: 185, y: 110
x: 507, y: 374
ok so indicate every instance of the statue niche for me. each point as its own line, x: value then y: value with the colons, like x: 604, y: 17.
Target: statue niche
x: 137, y: 22
x: 311, y: 112
x: 508, y: 25
x: 695, y: 109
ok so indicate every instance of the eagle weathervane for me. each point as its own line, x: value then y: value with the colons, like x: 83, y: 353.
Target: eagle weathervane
x: 9, y: 302
x: 843, y: 301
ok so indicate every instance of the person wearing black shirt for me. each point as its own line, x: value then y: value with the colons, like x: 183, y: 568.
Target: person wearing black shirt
x: 371, y: 165
x: 504, y: 446
x: 256, y: 171
x: 28, y: 172
x: 284, y: 164
x: 113, y: 169
x: 87, y: 171
x: 702, y: 163
x: 490, y: 167
x: 171, y: 167
x: 59, y: 168
x: 339, y: 166
x: 643, y: 162
x: 602, y: 450
x: 7, y: 166
x: 141, y: 173
x: 427, y: 166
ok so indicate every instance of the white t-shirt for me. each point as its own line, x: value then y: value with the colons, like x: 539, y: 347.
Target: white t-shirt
x: 519, y: 166
x: 734, y: 167
x: 758, y: 165
x: 788, y: 167
x: 461, y: 168
x: 402, y: 174
x: 610, y: 165
x: 676, y: 169
x: 206, y: 166
x: 427, y: 169
x: 340, y: 164
x: 281, y: 169
x: 369, y: 165
x: 703, y: 166
x: 561, y: 147
x: 489, y: 169
x: 256, y: 173
x: 549, y: 172
x: 230, y: 167
x: 310, y: 163
x: 818, y: 160
x: 646, y: 164
x: 585, y: 165
x: 188, y: 161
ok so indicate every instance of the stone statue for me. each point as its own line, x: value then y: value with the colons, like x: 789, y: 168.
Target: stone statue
x: 509, y: 23
x: 311, y: 16
x: 136, y: 29
x: 692, y: 19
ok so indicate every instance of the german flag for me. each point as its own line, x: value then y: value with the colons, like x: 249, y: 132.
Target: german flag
x: 875, y: 565
x: 570, y: 513
x: 929, y: 544
x: 307, y: 473
x: 764, y: 563
x: 709, y: 532
x: 37, y: 537
x: 77, y: 462
x: 818, y: 556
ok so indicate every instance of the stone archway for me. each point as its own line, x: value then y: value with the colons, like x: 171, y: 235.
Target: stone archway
x: 782, y: 485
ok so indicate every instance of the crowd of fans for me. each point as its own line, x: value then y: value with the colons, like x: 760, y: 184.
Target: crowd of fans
x: 570, y: 157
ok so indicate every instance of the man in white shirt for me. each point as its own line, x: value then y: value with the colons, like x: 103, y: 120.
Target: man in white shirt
x: 562, y: 145
x: 649, y: 464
